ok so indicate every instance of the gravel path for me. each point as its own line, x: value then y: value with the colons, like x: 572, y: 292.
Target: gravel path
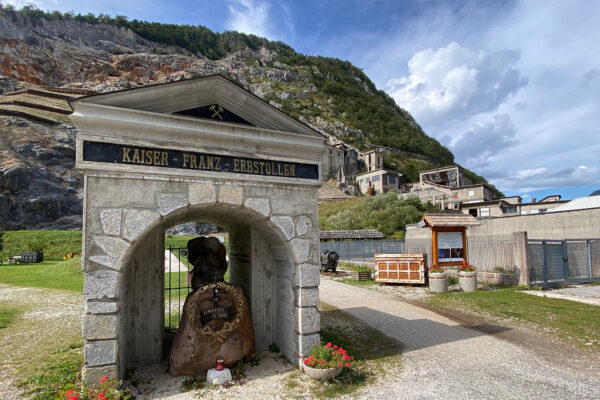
x: 582, y: 293
x: 444, y: 360
x: 51, y: 320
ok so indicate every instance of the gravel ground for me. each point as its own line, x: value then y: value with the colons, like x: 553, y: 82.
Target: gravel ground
x: 50, y: 320
x: 582, y: 293
x: 267, y: 380
x: 441, y: 358
x: 444, y: 360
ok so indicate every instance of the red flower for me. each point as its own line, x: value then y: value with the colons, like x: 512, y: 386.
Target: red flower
x: 328, y: 345
x: 73, y: 397
x: 104, y: 379
x: 299, y: 355
x: 335, y: 346
x: 69, y: 392
x: 347, y: 364
x: 101, y: 396
x: 340, y: 364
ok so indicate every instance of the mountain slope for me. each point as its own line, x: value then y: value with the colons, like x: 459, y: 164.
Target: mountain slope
x: 103, y: 54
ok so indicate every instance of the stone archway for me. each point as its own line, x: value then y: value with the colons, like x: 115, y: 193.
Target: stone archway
x: 137, y: 185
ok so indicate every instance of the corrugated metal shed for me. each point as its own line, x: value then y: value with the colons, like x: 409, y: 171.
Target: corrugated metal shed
x: 434, y: 220
x: 356, y: 234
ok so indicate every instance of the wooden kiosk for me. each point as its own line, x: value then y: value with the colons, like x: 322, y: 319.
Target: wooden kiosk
x: 448, y: 237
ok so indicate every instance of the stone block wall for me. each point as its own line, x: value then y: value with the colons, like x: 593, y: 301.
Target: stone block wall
x: 273, y: 255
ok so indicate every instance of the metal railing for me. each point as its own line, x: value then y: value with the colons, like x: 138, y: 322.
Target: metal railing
x: 177, y: 285
x: 363, y: 250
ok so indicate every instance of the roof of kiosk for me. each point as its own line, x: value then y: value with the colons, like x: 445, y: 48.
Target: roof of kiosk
x: 449, y: 220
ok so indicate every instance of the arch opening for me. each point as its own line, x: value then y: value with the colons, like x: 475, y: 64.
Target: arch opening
x: 261, y: 262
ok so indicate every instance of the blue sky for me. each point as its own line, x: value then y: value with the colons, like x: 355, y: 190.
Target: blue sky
x: 511, y: 87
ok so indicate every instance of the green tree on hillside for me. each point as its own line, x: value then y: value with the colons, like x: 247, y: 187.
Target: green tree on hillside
x: 384, y: 212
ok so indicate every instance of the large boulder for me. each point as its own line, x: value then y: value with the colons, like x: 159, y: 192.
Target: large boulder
x: 215, y: 325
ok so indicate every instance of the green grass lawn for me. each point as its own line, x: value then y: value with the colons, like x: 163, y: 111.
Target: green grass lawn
x: 6, y: 316
x: 577, y: 323
x: 49, y: 274
x: 55, y: 244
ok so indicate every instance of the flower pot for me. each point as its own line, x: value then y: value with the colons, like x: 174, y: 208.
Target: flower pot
x: 322, y: 374
x: 467, y: 281
x: 438, y: 282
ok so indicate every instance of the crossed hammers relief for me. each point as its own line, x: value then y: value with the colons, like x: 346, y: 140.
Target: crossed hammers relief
x: 217, y: 110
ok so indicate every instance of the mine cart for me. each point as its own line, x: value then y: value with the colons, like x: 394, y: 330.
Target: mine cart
x: 329, y: 260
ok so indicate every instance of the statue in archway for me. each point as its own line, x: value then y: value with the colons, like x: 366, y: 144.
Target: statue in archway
x: 216, y: 321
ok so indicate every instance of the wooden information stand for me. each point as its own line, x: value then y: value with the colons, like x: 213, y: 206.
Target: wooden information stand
x: 449, y: 237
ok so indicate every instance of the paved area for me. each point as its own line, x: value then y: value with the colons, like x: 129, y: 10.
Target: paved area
x: 444, y: 360
x: 175, y: 264
x: 589, y: 294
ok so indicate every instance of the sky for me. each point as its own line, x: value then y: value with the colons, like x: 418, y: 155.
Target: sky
x: 511, y: 87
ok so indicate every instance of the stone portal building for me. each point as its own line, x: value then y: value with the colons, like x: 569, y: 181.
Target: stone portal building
x: 197, y: 150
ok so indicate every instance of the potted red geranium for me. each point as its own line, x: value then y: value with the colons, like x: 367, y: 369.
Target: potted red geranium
x: 325, y: 361
x: 438, y: 279
x: 467, y: 278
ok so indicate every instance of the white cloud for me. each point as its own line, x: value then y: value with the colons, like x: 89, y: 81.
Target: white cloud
x: 455, y: 82
x: 540, y: 178
x: 484, y: 140
x: 18, y: 4
x: 249, y: 16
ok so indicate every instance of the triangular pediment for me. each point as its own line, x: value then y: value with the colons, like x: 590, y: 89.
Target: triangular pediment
x: 214, y: 98
x: 214, y: 112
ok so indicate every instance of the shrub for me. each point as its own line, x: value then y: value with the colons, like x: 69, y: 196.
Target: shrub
x: 384, y: 212
x: 34, y: 245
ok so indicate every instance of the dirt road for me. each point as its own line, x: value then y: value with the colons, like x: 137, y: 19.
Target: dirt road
x: 445, y: 360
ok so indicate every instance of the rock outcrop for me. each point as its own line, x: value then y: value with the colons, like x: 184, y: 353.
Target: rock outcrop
x: 39, y: 187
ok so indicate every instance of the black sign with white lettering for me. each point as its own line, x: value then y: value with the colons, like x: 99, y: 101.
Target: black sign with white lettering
x: 165, y: 158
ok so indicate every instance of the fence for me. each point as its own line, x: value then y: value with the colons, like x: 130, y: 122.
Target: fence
x: 363, y: 250
x: 418, y: 246
x: 557, y: 262
x: 177, y: 285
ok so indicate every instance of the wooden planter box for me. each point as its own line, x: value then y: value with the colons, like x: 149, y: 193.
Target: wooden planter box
x: 401, y: 268
x: 361, y: 275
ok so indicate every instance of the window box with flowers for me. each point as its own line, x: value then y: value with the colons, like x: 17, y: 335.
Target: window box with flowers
x: 467, y: 278
x: 438, y: 280
x: 325, y: 362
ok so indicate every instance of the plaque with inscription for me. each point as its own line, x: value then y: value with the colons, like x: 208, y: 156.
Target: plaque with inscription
x: 216, y: 312
x: 114, y: 153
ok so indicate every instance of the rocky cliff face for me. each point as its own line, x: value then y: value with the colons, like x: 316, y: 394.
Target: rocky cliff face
x: 39, y: 187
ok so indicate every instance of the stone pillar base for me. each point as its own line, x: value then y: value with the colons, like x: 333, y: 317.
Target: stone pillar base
x: 92, y: 375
